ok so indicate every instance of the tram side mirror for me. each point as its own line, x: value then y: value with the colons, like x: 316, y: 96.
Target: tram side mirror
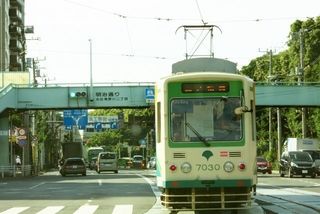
x: 240, y: 110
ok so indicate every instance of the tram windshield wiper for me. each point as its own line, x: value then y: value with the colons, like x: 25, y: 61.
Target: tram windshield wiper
x: 201, y: 138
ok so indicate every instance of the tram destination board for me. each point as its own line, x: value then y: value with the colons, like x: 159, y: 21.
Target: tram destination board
x: 206, y: 87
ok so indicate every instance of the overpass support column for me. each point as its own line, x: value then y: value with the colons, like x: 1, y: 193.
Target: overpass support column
x: 4, y: 140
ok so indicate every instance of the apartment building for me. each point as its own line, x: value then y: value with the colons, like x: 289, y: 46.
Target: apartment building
x: 13, y: 43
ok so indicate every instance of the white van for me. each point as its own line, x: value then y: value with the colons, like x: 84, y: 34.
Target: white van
x: 107, y: 161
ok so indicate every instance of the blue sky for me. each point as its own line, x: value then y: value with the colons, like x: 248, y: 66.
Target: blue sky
x: 136, y: 40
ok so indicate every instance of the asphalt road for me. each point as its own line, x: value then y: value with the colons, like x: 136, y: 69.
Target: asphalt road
x: 135, y: 192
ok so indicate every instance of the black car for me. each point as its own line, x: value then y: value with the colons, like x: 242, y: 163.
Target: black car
x: 73, y: 166
x: 296, y: 163
x: 315, y: 154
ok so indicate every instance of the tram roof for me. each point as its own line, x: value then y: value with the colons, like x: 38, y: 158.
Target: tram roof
x: 204, y: 65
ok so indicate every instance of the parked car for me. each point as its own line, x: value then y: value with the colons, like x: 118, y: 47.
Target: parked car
x: 151, y: 163
x: 263, y: 165
x: 73, y: 166
x: 138, y: 161
x: 107, y: 161
x: 297, y: 163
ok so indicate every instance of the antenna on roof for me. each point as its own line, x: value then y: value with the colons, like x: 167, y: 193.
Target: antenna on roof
x: 204, y: 28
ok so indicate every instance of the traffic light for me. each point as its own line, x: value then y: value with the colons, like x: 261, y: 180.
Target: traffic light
x: 78, y: 94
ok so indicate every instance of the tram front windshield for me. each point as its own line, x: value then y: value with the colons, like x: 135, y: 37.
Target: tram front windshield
x: 205, y: 119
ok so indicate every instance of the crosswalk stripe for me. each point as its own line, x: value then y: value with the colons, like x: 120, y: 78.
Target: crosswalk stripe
x: 15, y: 210
x: 86, y: 209
x: 124, y: 208
x: 51, y: 210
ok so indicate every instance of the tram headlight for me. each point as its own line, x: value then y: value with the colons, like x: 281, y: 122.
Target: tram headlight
x: 186, y: 167
x: 228, y: 166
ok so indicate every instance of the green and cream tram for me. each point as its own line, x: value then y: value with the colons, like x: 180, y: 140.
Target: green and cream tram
x: 205, y: 136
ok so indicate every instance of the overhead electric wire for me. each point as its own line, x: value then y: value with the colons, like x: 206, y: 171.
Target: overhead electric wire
x: 182, y: 19
x: 72, y: 52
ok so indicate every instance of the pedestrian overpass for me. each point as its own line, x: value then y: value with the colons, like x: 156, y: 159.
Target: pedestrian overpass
x: 137, y: 95
x: 126, y: 95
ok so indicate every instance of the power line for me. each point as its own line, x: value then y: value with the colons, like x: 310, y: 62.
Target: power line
x: 184, y: 19
x: 70, y: 52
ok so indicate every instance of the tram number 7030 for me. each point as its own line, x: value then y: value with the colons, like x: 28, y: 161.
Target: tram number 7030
x: 208, y: 167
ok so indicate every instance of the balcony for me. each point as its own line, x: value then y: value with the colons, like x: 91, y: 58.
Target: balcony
x: 15, y: 15
x: 15, y: 45
x: 15, y: 63
x: 15, y: 30
x: 17, y: 3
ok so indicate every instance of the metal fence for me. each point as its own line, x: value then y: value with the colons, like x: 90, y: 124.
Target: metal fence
x: 17, y: 171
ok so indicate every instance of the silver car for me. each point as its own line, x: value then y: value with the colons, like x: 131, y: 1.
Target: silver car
x: 107, y: 161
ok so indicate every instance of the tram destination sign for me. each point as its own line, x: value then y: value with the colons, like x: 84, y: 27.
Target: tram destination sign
x: 205, y: 87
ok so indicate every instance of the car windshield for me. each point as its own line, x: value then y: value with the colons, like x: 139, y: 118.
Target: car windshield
x: 259, y: 159
x: 218, y: 120
x: 138, y: 158
x: 314, y: 154
x: 301, y: 156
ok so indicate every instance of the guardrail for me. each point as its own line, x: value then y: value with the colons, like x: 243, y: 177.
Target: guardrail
x: 15, y: 171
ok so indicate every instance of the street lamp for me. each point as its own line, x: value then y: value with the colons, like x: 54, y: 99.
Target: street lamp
x: 91, y: 84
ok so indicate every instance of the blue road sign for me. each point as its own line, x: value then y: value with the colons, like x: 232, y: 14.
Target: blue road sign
x: 98, y: 126
x: 22, y: 142
x: 75, y: 117
x: 149, y: 93
x: 113, y: 125
x: 142, y: 142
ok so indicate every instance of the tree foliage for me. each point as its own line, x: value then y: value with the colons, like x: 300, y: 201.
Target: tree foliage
x: 138, y: 122
x: 303, y: 40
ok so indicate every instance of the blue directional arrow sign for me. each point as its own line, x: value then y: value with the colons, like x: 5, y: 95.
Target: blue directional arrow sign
x: 75, y: 117
x: 149, y: 95
x: 98, y: 126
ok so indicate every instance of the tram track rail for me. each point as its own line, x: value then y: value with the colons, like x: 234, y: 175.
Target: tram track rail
x: 272, y: 204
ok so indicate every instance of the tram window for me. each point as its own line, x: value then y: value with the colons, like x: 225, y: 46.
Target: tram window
x: 210, y: 118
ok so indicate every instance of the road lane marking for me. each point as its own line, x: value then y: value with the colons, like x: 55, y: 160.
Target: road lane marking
x: 157, y: 206
x: 51, y: 210
x: 123, y: 208
x: 15, y: 210
x: 86, y: 209
x: 35, y: 186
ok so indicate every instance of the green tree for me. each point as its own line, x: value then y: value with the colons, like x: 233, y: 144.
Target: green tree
x: 304, y: 34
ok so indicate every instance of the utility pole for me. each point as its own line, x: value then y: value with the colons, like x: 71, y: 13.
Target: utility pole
x: 91, y: 79
x: 300, y: 79
x: 270, y: 109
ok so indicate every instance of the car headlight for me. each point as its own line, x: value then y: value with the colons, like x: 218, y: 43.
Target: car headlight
x: 186, y: 167
x: 293, y: 164
x: 228, y: 166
